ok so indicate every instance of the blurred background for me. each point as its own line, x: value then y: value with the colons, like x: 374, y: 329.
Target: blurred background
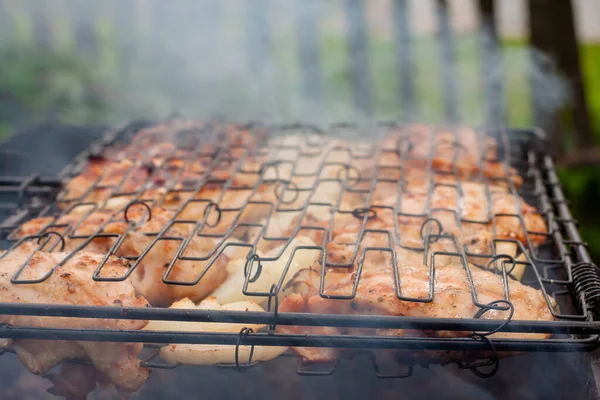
x: 516, y: 63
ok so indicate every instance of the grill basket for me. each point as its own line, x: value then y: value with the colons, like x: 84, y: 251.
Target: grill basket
x: 560, y: 267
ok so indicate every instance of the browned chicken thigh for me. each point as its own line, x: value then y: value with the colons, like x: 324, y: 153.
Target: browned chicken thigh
x: 72, y: 283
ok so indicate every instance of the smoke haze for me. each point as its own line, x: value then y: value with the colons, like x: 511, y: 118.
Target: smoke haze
x: 290, y: 60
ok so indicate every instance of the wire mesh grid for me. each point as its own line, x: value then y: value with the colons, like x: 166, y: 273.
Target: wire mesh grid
x: 198, y: 192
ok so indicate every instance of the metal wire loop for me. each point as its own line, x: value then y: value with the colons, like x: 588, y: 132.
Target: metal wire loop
x: 273, y: 296
x: 207, y: 210
x: 361, y: 213
x: 301, y: 371
x: 248, y: 268
x: 499, y: 257
x: 494, y: 361
x: 149, y: 363
x: 50, y: 233
x: 137, y: 202
x: 457, y: 145
x: 509, y: 307
x: 379, y: 375
x: 349, y: 177
x: 289, y: 186
x: 275, y: 164
x: 409, y: 147
x: 429, y: 235
x: 241, y: 337
x: 227, y: 160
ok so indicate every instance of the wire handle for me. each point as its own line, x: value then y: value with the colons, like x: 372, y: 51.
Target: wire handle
x: 273, y: 294
x: 475, y: 366
x: 248, y: 268
x: 242, y: 337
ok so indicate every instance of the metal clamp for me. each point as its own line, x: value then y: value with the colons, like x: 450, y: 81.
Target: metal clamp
x: 361, y: 213
x: 494, y: 361
x: 273, y: 295
x: 207, y: 210
x: 242, y: 337
x: 289, y: 185
x: 137, y: 202
x: 429, y: 235
x: 248, y: 268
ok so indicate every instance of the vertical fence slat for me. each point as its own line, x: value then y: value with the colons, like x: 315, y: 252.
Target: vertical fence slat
x: 83, y: 22
x: 143, y: 26
x: 209, y: 13
x: 404, y: 60
x: 258, y: 43
x: 359, y: 57
x: 209, y: 48
x: 42, y: 32
x: 206, y: 55
x: 552, y: 32
x: 540, y: 27
x: 19, y: 22
x: 570, y: 64
x: 447, y: 69
x: 309, y: 54
x: 162, y: 15
x: 6, y: 23
x: 127, y: 46
x: 258, y: 34
x: 492, y: 72
x: 61, y: 25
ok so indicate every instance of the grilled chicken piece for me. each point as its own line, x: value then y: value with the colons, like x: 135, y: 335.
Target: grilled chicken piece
x: 139, y: 243
x: 72, y: 283
x: 74, y: 382
x: 188, y: 136
x: 296, y: 302
x: 181, y: 139
x: 245, y: 193
x: 164, y: 161
x: 376, y: 295
x: 461, y: 150
x: 110, y: 183
x: 452, y: 295
x: 39, y: 358
x: 470, y: 219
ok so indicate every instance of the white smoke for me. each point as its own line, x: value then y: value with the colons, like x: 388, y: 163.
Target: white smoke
x: 242, y: 59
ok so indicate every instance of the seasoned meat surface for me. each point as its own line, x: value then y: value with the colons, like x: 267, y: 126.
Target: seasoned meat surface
x: 154, y: 256
x: 376, y: 295
x: 72, y: 283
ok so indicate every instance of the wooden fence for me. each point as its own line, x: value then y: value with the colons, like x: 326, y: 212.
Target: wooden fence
x: 131, y: 28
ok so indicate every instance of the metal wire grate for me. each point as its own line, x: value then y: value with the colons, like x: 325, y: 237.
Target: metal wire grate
x: 211, y: 175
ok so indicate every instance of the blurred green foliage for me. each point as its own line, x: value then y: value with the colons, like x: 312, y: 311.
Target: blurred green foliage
x: 582, y: 188
x: 37, y: 87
